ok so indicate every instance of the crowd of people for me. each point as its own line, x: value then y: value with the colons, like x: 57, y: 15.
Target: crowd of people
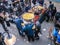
x: 12, y: 12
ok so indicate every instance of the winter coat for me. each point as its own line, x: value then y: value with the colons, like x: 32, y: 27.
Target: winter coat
x: 18, y: 23
x: 29, y: 31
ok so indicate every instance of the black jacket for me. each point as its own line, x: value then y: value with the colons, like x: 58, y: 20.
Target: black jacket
x: 51, y: 6
x: 1, y: 19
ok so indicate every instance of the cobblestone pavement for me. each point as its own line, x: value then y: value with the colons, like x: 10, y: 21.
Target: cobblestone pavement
x: 23, y: 41
x: 43, y: 39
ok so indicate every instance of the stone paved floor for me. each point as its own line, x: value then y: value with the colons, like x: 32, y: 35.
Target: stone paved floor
x: 43, y: 39
x: 23, y: 41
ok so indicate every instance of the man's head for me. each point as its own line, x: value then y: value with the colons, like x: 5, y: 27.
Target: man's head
x: 50, y: 2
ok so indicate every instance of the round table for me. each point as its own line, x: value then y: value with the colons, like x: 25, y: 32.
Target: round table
x: 28, y: 16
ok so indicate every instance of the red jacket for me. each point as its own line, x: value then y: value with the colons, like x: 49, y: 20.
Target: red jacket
x: 36, y: 18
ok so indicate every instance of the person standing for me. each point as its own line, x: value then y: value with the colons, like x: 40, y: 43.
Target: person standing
x: 2, y: 17
x: 54, y: 32
x: 19, y: 10
x: 22, y: 3
x: 38, y: 29
x: 27, y: 8
x: 7, y: 19
x: 5, y: 2
x: 29, y: 32
x: 51, y: 5
x: 2, y: 7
